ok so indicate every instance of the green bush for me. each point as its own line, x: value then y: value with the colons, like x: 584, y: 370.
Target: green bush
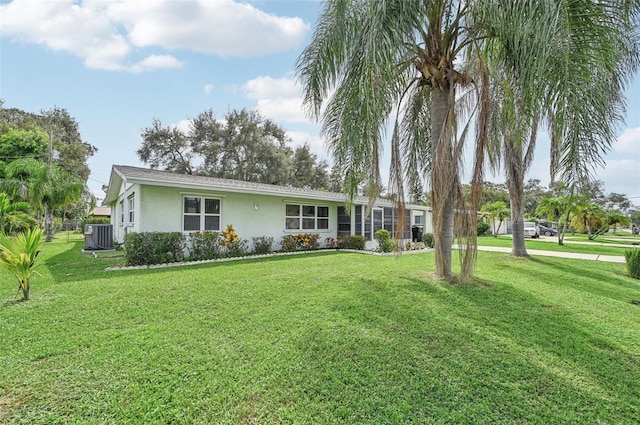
x: 351, y: 242
x: 632, y: 257
x: 385, y: 242
x: 427, y: 238
x: 300, y: 242
x: 147, y: 248
x: 262, y: 245
x: 205, y: 246
x: 93, y: 220
x: 482, y: 228
x: 236, y: 247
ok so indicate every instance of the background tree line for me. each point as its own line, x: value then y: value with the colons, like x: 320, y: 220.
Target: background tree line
x: 242, y: 146
x: 43, y: 169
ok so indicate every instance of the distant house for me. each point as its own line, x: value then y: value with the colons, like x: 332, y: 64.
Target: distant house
x: 101, y: 212
x: 145, y: 200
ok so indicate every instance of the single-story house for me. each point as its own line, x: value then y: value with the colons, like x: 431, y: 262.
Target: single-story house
x: 146, y: 200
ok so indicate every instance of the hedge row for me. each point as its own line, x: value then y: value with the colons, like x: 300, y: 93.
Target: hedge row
x: 146, y: 248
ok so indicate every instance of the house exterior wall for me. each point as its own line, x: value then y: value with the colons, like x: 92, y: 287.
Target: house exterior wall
x: 160, y: 209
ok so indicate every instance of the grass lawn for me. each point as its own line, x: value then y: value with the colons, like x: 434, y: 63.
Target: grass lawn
x: 320, y: 339
x: 594, y: 247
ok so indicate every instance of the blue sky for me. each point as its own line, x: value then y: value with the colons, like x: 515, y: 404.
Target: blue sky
x: 117, y: 65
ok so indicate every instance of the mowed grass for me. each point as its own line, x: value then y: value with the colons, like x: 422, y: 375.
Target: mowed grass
x: 577, y: 245
x: 322, y: 338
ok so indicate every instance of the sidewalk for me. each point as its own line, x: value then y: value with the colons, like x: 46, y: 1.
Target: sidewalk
x: 592, y: 257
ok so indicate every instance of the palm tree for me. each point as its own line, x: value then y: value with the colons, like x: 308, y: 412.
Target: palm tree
x: 14, y: 216
x: 590, y: 217
x: 45, y: 186
x: 427, y: 64
x: 497, y: 210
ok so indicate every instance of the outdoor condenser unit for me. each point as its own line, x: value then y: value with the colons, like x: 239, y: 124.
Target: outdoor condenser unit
x: 98, y: 236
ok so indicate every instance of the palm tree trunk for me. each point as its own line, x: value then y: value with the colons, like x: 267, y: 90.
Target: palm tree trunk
x: 515, y: 169
x: 442, y: 181
x: 48, y: 223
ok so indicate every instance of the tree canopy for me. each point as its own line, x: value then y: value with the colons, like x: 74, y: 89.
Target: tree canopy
x: 242, y: 146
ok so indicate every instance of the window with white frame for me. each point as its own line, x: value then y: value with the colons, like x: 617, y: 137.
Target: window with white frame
x: 418, y: 220
x: 200, y: 214
x: 306, y: 217
x: 132, y: 206
x: 122, y: 211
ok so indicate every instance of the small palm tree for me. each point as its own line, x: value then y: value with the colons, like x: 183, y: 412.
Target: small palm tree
x: 18, y: 255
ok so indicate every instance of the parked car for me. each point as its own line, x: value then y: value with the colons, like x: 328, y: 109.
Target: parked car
x: 531, y: 230
x: 547, y: 231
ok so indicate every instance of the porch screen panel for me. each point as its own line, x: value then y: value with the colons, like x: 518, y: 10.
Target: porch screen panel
x: 344, y: 222
x: 388, y: 220
x: 358, y: 230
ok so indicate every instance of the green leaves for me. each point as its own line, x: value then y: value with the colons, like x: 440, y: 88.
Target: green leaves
x: 18, y: 255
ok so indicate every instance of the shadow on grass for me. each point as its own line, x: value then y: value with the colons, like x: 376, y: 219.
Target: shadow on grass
x: 482, y: 350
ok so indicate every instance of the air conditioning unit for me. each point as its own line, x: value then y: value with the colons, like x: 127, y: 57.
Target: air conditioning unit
x: 98, y: 237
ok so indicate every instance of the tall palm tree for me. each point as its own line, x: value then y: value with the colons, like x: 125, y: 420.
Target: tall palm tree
x: 427, y: 64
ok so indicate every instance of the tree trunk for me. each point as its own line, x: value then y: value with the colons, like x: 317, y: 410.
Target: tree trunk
x: 515, y: 169
x: 24, y: 285
x: 48, y: 223
x: 442, y: 181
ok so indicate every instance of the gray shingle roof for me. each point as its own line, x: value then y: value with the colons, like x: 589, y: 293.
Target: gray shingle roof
x: 168, y: 178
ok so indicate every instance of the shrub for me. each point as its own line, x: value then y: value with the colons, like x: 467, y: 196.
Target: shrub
x: 385, y: 242
x: 351, y: 242
x: 18, y: 255
x: 206, y: 245
x: 289, y: 243
x: 427, y: 238
x: 237, y: 247
x: 93, y: 220
x: 147, y: 248
x: 482, y: 228
x: 300, y: 242
x: 632, y: 257
x: 262, y: 245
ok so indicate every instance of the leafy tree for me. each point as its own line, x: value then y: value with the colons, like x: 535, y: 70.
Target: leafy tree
x: 307, y: 171
x: 18, y: 255
x: 428, y: 63
x: 533, y: 192
x: 618, y: 201
x: 243, y: 146
x: 15, y: 144
x: 497, y: 210
x: 61, y: 128
x: 14, y: 216
x: 44, y: 186
x: 167, y: 148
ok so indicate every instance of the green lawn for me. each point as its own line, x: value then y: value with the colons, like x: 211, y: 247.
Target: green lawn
x: 593, y: 247
x: 322, y: 338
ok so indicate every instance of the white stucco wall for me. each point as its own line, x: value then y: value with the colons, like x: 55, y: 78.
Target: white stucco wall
x: 160, y: 209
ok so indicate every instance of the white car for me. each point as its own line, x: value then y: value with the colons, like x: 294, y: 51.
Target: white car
x: 531, y: 230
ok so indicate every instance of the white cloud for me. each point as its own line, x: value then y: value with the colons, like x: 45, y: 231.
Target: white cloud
x: 629, y: 142
x: 155, y: 62
x: 208, y: 88
x: 316, y: 143
x: 621, y: 176
x: 103, y: 33
x: 277, y: 98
